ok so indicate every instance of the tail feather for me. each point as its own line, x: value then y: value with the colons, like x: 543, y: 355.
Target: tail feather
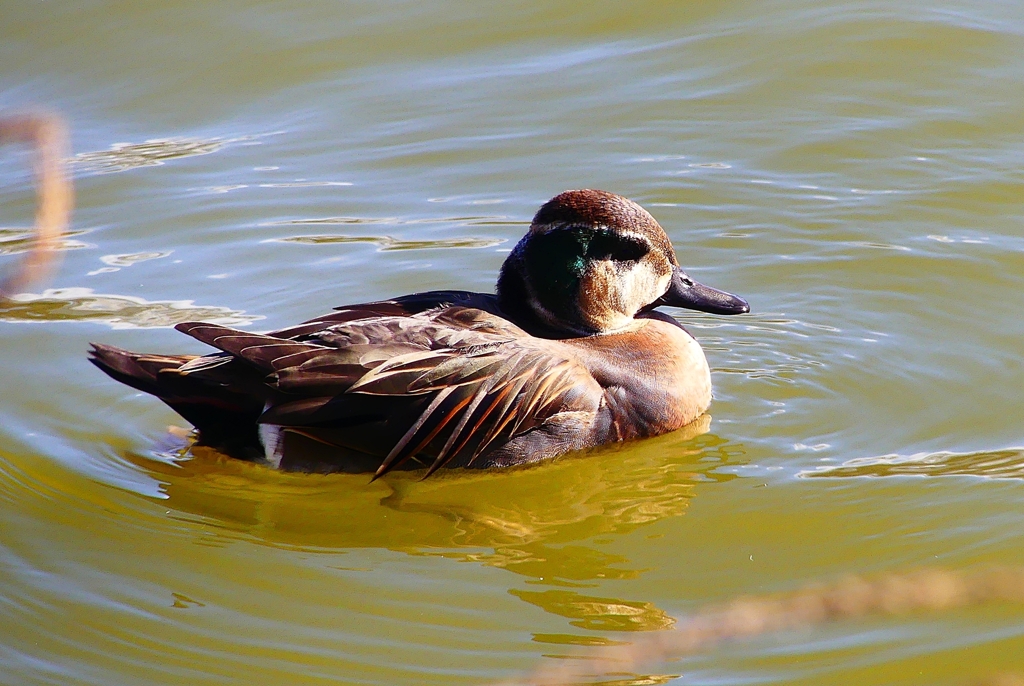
x: 135, y: 369
x: 225, y: 415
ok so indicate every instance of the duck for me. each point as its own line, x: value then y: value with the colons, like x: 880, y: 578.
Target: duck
x: 571, y: 352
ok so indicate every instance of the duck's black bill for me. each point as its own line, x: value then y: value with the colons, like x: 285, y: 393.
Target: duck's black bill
x: 685, y: 292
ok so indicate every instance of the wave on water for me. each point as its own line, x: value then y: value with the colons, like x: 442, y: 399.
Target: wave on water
x: 386, y: 243
x: 991, y: 464
x: 14, y: 241
x: 152, y: 152
x: 119, y: 311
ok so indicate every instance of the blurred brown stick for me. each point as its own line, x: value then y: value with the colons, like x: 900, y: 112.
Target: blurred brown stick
x: 49, y: 136
x: 888, y: 594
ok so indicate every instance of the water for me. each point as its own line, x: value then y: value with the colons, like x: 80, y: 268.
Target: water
x: 853, y: 169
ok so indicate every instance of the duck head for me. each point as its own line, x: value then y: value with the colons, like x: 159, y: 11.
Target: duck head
x: 591, y: 262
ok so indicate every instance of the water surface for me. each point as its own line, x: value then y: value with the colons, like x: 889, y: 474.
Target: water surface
x: 853, y: 168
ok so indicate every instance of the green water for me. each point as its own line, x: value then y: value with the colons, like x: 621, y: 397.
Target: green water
x: 855, y: 170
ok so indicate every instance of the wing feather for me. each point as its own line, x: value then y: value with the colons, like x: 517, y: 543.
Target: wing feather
x: 482, y: 391
x: 399, y: 452
x: 260, y: 350
x: 457, y: 380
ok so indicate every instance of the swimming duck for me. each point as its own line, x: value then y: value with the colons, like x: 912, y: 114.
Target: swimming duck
x: 570, y: 353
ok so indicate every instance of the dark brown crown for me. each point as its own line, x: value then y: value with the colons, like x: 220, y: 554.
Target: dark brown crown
x: 593, y: 208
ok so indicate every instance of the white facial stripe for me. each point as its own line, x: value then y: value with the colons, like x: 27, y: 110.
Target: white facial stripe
x: 637, y: 237
x: 604, y: 228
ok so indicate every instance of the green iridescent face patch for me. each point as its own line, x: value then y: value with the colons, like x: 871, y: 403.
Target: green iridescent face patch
x: 558, y: 261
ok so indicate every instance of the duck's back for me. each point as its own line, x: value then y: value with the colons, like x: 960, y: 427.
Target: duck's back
x: 446, y: 384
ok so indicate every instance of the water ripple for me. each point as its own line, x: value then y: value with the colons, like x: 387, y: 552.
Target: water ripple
x: 992, y: 464
x: 15, y: 240
x: 153, y: 152
x: 390, y: 243
x: 119, y: 311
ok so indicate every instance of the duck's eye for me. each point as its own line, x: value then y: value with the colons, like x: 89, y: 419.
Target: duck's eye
x: 607, y: 246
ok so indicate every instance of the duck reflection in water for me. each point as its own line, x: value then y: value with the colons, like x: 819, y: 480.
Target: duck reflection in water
x: 571, y: 353
x: 551, y: 527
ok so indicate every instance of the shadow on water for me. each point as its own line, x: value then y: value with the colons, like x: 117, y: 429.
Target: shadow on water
x: 545, y: 523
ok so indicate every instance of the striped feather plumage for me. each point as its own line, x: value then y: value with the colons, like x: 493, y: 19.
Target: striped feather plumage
x: 553, y: 362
